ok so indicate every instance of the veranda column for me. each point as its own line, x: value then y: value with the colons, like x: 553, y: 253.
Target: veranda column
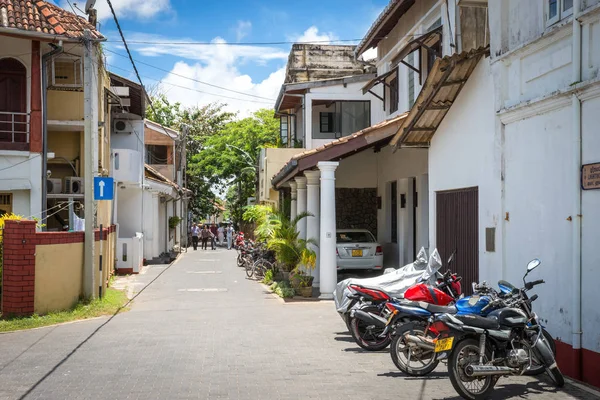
x: 301, y: 205
x: 293, y: 203
x: 328, y: 264
x: 313, y: 206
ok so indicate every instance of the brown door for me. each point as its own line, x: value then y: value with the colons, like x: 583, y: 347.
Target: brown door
x: 13, y: 95
x: 457, y: 225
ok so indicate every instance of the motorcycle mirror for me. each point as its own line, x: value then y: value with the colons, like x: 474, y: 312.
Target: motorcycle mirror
x: 533, y: 264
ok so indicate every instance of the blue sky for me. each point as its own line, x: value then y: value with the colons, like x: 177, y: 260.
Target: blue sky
x: 257, y: 70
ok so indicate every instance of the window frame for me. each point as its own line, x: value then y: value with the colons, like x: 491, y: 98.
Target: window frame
x: 561, y: 13
x: 394, y: 88
x: 329, y: 124
x: 287, y: 130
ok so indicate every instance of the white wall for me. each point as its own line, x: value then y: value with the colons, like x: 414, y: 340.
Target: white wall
x: 19, y: 168
x: 538, y: 182
x: 129, y: 211
x: 590, y: 256
x: 463, y: 154
x: 129, y: 141
x: 357, y: 171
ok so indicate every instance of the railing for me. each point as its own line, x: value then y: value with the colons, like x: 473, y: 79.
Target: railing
x: 14, y: 127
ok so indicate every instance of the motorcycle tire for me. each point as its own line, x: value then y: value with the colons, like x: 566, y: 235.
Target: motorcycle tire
x: 367, y: 339
x: 557, y: 377
x: 414, y: 328
x: 240, y: 260
x: 540, y: 369
x: 455, y: 373
x: 348, y: 322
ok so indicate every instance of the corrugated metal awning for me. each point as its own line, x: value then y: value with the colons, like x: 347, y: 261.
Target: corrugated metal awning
x: 377, y: 80
x: 443, y: 85
x: 426, y: 40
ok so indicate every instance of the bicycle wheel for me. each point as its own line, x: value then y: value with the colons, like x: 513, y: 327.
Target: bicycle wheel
x: 248, y: 264
x: 260, y: 267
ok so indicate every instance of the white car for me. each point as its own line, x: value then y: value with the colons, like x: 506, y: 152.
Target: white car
x: 358, y: 249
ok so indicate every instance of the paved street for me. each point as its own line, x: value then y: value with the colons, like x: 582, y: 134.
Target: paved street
x: 200, y: 330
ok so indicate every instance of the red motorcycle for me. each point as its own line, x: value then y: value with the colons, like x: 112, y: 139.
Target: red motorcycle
x: 368, y: 324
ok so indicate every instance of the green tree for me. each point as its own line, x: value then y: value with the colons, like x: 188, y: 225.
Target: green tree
x: 229, y: 159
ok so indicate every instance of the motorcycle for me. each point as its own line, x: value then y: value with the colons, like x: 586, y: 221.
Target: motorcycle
x: 482, y: 349
x: 369, y: 324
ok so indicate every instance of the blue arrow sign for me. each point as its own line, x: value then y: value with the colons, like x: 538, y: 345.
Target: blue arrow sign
x: 103, y: 188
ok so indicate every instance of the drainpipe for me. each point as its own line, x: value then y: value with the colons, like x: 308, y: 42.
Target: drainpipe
x: 576, y: 169
x: 57, y: 49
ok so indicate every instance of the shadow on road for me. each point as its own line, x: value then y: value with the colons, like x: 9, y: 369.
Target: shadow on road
x: 363, y: 351
x: 398, y: 374
x: 90, y: 336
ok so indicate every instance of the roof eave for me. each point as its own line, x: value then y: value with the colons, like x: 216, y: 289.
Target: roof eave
x: 46, y: 37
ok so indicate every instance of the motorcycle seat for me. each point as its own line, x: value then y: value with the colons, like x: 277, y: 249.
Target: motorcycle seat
x: 479, y: 322
x: 438, y: 309
x: 377, y: 289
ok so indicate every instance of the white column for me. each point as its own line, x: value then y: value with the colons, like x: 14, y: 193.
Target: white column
x: 312, y: 223
x: 301, y: 205
x: 294, y: 203
x: 328, y: 263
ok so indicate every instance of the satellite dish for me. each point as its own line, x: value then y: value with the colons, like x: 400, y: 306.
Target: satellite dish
x: 89, y: 4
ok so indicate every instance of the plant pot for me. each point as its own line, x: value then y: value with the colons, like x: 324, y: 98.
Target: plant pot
x: 279, y: 276
x: 305, y: 291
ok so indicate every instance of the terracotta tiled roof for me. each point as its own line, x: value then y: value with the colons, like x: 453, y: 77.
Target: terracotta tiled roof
x: 43, y: 17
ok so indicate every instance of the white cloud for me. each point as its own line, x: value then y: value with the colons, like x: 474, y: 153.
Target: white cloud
x: 311, y: 35
x: 125, y: 8
x: 225, y: 75
x: 243, y: 29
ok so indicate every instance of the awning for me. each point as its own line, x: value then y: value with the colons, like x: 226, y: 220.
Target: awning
x: 378, y: 135
x: 426, y: 40
x: 377, y: 80
x: 443, y: 85
x: 161, y: 188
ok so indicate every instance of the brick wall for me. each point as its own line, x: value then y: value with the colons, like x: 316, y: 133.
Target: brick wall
x: 356, y: 209
x: 18, y: 287
x: 19, y: 261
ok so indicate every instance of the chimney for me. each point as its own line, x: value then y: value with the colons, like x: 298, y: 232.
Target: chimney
x: 93, y: 17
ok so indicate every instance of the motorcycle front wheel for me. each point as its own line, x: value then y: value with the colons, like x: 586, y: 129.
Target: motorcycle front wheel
x: 465, y: 353
x: 409, y: 358
x: 538, y: 367
x: 367, y: 336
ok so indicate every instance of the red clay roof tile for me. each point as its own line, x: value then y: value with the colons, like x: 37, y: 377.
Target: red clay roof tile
x: 42, y: 16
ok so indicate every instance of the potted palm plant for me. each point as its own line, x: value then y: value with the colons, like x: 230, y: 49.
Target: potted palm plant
x: 294, y: 254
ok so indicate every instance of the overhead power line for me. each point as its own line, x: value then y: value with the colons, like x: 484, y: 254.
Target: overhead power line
x: 190, y: 78
x: 238, y: 44
x: 191, y: 89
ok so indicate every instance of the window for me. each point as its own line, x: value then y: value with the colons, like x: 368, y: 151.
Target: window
x: 5, y: 203
x: 156, y: 154
x: 345, y: 118
x: 354, y: 237
x: 284, y: 130
x: 394, y: 212
x: 557, y: 10
x: 411, y: 80
x: 394, y: 94
x: 327, y: 122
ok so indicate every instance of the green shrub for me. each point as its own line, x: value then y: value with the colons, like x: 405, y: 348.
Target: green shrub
x: 282, y: 289
x: 268, y: 277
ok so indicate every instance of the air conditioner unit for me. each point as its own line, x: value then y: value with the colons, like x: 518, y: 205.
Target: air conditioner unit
x: 73, y: 185
x: 54, y: 186
x: 122, y: 126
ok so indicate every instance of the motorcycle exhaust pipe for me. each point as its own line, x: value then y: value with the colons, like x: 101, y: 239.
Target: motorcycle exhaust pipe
x: 420, y: 342
x: 370, y: 319
x: 487, y: 370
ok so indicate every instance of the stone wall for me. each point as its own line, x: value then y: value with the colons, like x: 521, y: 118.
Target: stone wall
x: 356, y: 209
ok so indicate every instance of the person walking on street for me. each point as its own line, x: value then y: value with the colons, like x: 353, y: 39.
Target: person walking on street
x: 205, y: 235
x: 213, y: 236
x: 221, y: 235
x: 229, y: 233
x: 195, y: 235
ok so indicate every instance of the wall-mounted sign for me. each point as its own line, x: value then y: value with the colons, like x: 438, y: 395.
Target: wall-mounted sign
x: 590, y: 176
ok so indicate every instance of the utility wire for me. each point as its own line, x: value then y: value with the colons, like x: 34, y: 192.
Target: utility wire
x: 19, y: 163
x: 112, y: 10
x: 192, y: 89
x: 190, y: 78
x: 331, y: 41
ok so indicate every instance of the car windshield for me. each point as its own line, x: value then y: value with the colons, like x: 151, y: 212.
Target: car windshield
x: 355, y: 237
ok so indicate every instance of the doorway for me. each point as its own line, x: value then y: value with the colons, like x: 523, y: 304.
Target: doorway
x: 457, y: 229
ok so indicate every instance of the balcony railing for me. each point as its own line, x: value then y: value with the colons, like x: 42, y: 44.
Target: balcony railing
x: 14, y: 130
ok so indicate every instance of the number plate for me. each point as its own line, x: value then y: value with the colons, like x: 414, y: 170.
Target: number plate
x: 357, y: 253
x: 444, y: 344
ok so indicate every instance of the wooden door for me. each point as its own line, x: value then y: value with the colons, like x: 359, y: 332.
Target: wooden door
x: 457, y: 228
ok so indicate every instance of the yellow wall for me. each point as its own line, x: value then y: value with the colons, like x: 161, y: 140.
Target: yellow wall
x: 65, y: 106
x: 58, y: 276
